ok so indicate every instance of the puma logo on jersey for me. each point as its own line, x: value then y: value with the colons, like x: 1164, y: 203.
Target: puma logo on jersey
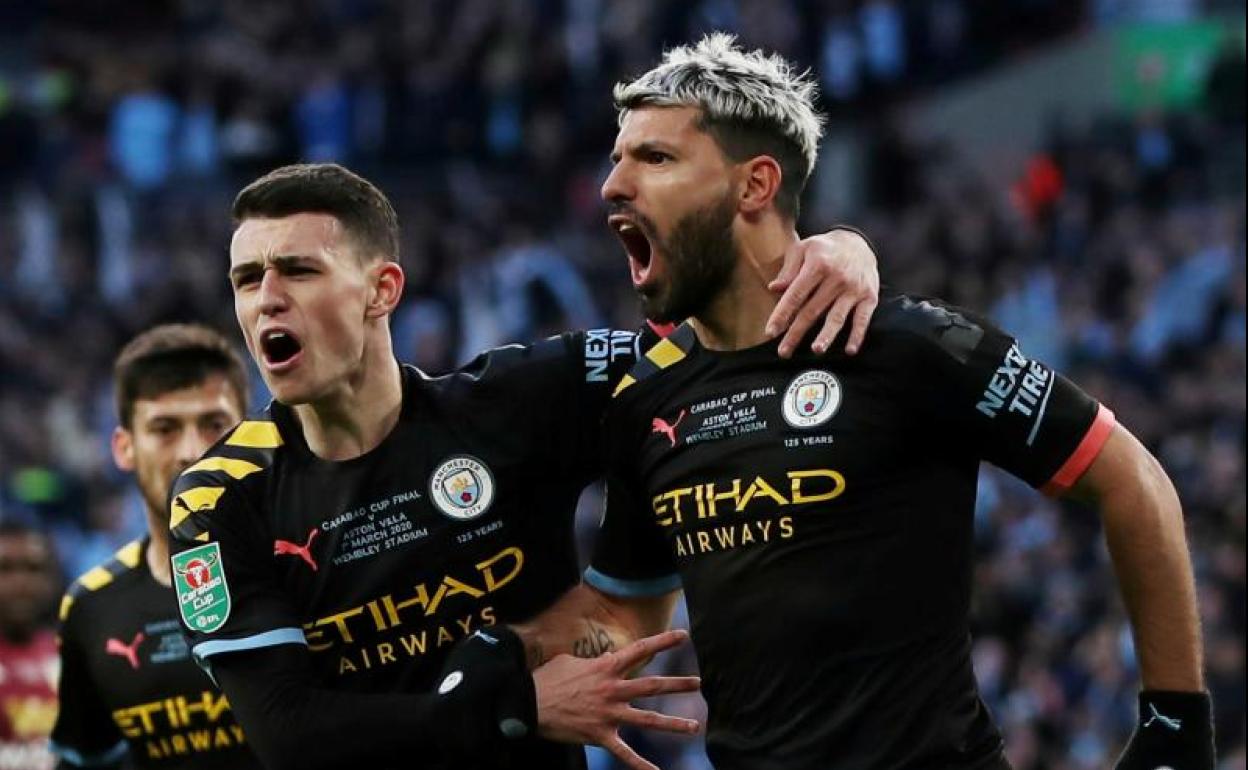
x: 659, y: 425
x: 128, y: 651
x: 953, y: 322
x: 287, y: 548
x: 1173, y: 724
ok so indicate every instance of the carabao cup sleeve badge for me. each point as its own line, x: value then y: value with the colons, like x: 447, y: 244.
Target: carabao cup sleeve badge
x: 203, y: 594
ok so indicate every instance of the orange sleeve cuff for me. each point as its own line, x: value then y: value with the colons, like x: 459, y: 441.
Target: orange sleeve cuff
x: 1084, y: 454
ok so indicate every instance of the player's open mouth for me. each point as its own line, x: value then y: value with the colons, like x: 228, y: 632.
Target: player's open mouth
x: 280, y: 349
x: 637, y: 243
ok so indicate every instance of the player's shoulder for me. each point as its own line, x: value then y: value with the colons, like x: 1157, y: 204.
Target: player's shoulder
x: 251, y: 447
x: 662, y: 352
x: 590, y: 355
x: 104, y: 581
x: 235, y: 466
x: 910, y: 322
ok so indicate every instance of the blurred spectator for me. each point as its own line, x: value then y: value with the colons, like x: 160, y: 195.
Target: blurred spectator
x: 1225, y: 85
x: 141, y: 135
x: 323, y: 118
x: 28, y: 655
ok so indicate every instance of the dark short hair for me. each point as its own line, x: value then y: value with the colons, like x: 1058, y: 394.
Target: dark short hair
x: 172, y: 357
x: 741, y: 139
x: 325, y: 188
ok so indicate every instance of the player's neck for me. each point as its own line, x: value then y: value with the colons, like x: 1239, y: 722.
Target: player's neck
x: 357, y: 415
x: 737, y: 317
x: 158, y: 549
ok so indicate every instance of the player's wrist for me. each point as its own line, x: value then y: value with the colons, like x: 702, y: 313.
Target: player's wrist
x: 1193, y: 709
x: 1175, y: 728
x: 531, y: 639
x: 854, y: 230
x: 1191, y: 702
x: 486, y: 694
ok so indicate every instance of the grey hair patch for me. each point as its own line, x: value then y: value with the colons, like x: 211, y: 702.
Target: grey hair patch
x: 732, y: 85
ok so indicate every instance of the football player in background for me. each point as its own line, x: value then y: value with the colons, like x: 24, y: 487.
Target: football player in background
x: 130, y: 694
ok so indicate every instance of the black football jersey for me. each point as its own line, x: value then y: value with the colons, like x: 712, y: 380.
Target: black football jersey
x: 128, y: 685
x: 818, y: 514
x: 461, y: 518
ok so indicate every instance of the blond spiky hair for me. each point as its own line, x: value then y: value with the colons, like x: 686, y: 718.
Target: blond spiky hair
x: 732, y: 86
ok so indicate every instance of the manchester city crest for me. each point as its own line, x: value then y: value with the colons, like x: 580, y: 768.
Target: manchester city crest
x: 811, y: 399
x: 462, y: 487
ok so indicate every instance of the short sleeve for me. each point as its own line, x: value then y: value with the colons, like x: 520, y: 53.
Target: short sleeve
x: 631, y: 555
x: 555, y: 394
x: 1009, y: 409
x: 85, y: 734
x: 230, y: 597
x: 596, y: 360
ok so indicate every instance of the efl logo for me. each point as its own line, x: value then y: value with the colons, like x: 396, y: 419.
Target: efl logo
x: 462, y: 488
x: 811, y: 399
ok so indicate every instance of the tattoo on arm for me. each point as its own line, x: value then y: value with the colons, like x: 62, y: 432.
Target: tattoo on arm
x: 596, y: 641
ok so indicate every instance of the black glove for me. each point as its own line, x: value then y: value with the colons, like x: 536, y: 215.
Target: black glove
x: 486, y: 696
x: 1175, y: 731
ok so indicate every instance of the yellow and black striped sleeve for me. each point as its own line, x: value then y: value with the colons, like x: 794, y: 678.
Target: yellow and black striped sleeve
x: 218, y: 525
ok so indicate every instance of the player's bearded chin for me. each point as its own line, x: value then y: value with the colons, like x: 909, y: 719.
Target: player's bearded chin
x: 701, y: 253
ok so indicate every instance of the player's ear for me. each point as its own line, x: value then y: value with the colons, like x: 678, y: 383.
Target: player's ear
x: 122, y: 444
x: 387, y: 280
x: 761, y: 177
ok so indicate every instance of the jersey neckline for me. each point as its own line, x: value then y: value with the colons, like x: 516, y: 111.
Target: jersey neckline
x: 292, y: 431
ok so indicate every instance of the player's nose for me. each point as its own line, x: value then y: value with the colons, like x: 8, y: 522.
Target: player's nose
x: 191, y: 447
x: 618, y: 186
x: 272, y: 294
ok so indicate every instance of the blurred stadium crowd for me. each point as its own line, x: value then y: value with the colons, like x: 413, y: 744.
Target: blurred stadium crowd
x: 1117, y: 256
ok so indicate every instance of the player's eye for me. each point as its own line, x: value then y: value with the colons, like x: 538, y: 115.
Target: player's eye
x: 656, y: 157
x: 242, y: 280
x: 164, y: 429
